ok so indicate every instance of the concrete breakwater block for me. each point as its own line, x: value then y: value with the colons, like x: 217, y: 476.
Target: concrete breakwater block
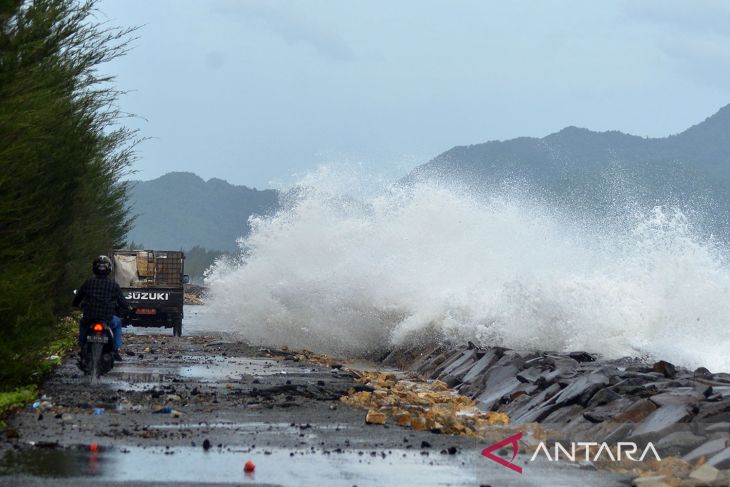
x: 587, y: 397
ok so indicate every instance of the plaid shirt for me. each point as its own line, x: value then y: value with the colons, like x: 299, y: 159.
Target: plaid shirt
x: 101, y: 297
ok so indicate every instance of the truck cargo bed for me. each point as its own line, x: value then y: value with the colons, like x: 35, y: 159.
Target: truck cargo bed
x: 152, y: 283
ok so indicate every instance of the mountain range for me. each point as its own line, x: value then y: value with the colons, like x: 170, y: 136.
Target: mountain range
x: 574, y: 166
x: 180, y: 211
x: 595, y: 169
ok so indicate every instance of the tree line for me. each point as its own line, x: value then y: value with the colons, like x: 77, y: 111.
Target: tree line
x: 63, y: 153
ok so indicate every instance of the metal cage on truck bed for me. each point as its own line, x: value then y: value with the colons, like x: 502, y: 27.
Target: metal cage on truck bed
x: 152, y: 281
x: 148, y: 268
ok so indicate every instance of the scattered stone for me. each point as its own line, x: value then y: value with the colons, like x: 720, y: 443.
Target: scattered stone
x: 706, y: 449
x: 720, y: 460
x: 723, y: 377
x: 500, y: 381
x: 702, y: 373
x: 604, y: 396
x: 679, y: 442
x: 722, y: 427
x: 714, y: 412
x: 582, y: 356
x: 637, y: 412
x: 527, y: 411
x: 706, y: 473
x: 665, y: 368
x: 661, y: 419
x: 530, y: 375
x: 599, y: 414
x: 653, y: 481
x: 375, y: 417
x: 563, y: 415
x: 680, y: 396
x: 480, y: 366
x: 537, y: 414
x: 582, y: 389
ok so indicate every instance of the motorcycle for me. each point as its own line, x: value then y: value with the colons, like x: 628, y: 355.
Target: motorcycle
x: 97, y: 352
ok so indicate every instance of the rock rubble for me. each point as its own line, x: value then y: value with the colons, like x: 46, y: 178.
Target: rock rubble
x: 587, y: 398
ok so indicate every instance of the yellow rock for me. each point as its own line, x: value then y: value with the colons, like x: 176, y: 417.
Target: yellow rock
x: 375, y: 417
x: 418, y: 423
x: 403, y: 419
x: 494, y: 418
x: 419, y: 404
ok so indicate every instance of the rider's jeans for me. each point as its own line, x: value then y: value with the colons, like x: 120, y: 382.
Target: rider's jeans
x: 116, y: 325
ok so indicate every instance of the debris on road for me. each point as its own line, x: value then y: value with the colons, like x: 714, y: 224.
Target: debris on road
x: 428, y: 405
x: 194, y: 294
x: 375, y: 417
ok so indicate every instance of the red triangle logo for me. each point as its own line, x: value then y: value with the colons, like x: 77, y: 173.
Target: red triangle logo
x: 512, y: 440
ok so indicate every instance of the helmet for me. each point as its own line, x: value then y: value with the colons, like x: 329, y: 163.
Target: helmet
x: 102, y: 266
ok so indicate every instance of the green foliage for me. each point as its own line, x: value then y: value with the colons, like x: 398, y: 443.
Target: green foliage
x: 198, y: 260
x: 62, y: 156
x: 63, y: 340
x: 16, y: 398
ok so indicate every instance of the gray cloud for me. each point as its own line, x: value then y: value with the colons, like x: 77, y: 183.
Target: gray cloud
x: 703, y: 17
x: 694, y: 36
x: 291, y: 28
x: 255, y: 91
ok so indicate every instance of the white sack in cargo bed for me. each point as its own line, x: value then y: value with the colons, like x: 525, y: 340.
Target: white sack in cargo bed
x: 125, y: 270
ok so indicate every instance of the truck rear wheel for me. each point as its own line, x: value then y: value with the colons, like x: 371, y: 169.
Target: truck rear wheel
x: 177, y: 327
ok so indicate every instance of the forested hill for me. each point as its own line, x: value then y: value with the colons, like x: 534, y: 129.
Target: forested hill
x: 180, y: 210
x: 581, y: 165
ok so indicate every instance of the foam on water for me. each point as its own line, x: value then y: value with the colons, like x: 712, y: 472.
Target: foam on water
x: 429, y: 262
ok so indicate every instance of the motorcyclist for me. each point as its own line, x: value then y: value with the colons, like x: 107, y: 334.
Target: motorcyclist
x: 101, y: 298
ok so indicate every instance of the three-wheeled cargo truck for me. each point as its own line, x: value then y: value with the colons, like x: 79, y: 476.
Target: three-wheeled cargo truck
x: 152, y: 282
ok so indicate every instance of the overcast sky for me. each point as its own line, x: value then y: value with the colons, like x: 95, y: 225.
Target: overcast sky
x: 257, y: 91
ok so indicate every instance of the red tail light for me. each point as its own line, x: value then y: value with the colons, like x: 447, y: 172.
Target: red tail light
x: 98, y: 327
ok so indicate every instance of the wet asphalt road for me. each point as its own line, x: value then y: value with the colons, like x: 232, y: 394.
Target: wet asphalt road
x: 194, y: 409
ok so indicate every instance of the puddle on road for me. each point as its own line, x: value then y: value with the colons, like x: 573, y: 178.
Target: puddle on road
x: 273, y: 466
x: 251, y: 425
x: 301, y: 467
x: 140, y: 377
x: 221, y: 368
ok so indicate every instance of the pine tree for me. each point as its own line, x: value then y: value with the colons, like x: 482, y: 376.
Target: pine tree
x: 63, y: 153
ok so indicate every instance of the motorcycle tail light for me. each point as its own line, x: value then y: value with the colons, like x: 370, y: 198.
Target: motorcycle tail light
x: 98, y: 327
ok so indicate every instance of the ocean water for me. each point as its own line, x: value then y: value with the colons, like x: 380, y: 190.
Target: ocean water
x: 356, y: 275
